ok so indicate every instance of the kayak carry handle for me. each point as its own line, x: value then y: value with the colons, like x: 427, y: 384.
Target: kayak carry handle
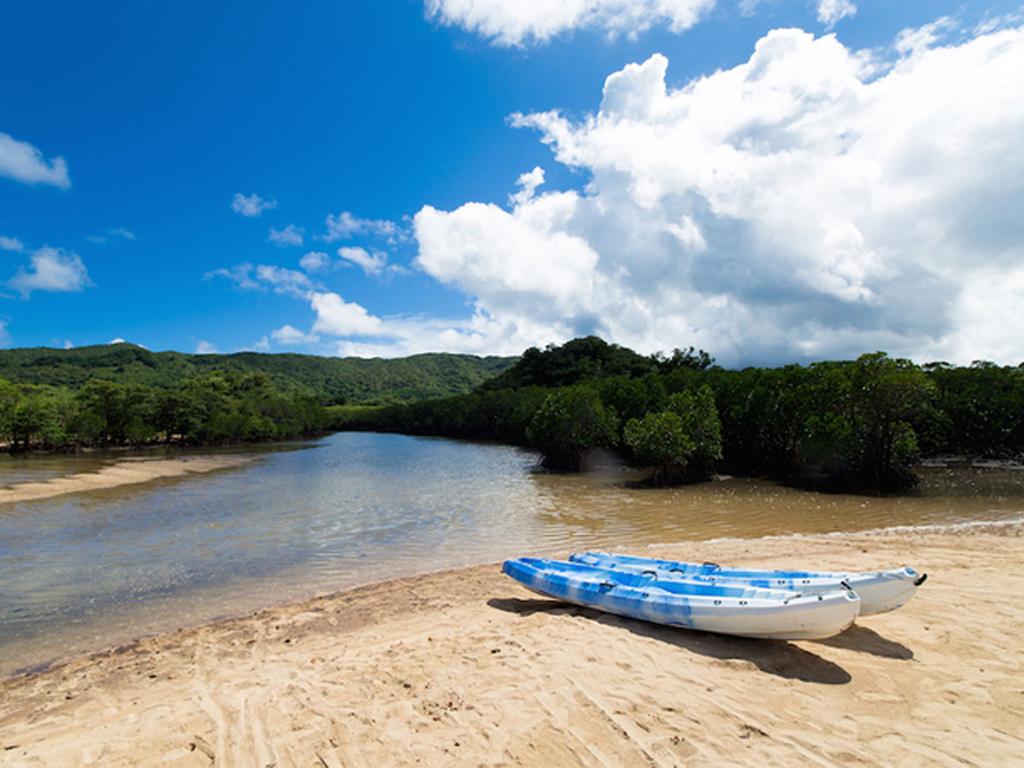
x: 709, y: 564
x: 650, y: 574
x: 922, y: 580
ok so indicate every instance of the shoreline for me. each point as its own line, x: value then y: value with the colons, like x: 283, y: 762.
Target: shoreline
x: 127, y: 471
x: 466, y: 666
x: 657, y: 549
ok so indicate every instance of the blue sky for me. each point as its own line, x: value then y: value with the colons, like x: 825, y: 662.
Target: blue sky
x: 399, y: 114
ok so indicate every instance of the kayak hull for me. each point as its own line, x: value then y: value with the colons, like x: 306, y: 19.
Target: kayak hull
x: 764, y: 614
x: 879, y: 591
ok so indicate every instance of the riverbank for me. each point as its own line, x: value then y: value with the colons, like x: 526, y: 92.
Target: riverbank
x: 129, y: 471
x: 466, y: 667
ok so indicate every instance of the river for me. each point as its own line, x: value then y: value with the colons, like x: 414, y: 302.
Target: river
x: 86, y: 571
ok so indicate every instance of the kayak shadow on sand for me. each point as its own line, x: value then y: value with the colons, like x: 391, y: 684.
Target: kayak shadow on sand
x: 775, y: 657
x: 866, y: 640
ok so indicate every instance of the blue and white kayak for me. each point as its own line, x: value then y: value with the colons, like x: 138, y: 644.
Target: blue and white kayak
x: 745, y: 611
x: 879, y: 591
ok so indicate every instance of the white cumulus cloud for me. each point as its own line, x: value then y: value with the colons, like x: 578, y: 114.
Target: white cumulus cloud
x: 11, y: 244
x: 263, y: 277
x: 346, y: 225
x: 811, y: 201
x: 281, y: 280
x: 337, y: 317
x: 370, y: 263
x: 919, y: 39
x: 51, y: 269
x: 21, y: 161
x: 528, y: 256
x: 240, y: 274
x: 831, y: 12
x: 289, y: 335
x: 479, y: 334
x: 522, y: 22
x: 527, y: 184
x: 315, y: 261
x: 290, y: 235
x: 252, y: 205
x: 206, y: 348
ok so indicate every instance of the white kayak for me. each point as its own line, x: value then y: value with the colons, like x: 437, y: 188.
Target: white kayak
x: 744, y: 611
x: 879, y: 591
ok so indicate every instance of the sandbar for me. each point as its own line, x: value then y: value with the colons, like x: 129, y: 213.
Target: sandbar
x: 125, y: 472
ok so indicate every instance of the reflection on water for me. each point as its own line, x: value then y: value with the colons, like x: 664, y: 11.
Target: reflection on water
x: 86, y: 571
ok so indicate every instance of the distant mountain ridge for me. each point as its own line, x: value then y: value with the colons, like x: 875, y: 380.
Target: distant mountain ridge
x: 333, y: 380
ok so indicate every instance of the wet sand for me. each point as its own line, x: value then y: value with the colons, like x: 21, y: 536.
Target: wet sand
x: 466, y: 668
x: 124, y: 472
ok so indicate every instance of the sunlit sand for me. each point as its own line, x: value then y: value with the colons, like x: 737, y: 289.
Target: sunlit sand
x: 466, y: 667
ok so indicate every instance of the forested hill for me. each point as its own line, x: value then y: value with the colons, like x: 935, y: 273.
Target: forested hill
x: 856, y: 425
x: 330, y: 380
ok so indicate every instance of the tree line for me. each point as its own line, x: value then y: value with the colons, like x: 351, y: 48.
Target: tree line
x: 857, y: 425
x: 211, y: 409
x: 332, y: 380
x: 845, y: 425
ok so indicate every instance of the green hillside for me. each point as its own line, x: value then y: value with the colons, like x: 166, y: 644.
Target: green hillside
x: 331, y: 380
x: 841, y: 425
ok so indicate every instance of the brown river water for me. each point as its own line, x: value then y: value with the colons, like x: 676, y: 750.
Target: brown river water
x: 82, y: 572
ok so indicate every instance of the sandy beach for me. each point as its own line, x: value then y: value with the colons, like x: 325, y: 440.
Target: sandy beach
x: 125, y: 472
x: 467, y: 668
